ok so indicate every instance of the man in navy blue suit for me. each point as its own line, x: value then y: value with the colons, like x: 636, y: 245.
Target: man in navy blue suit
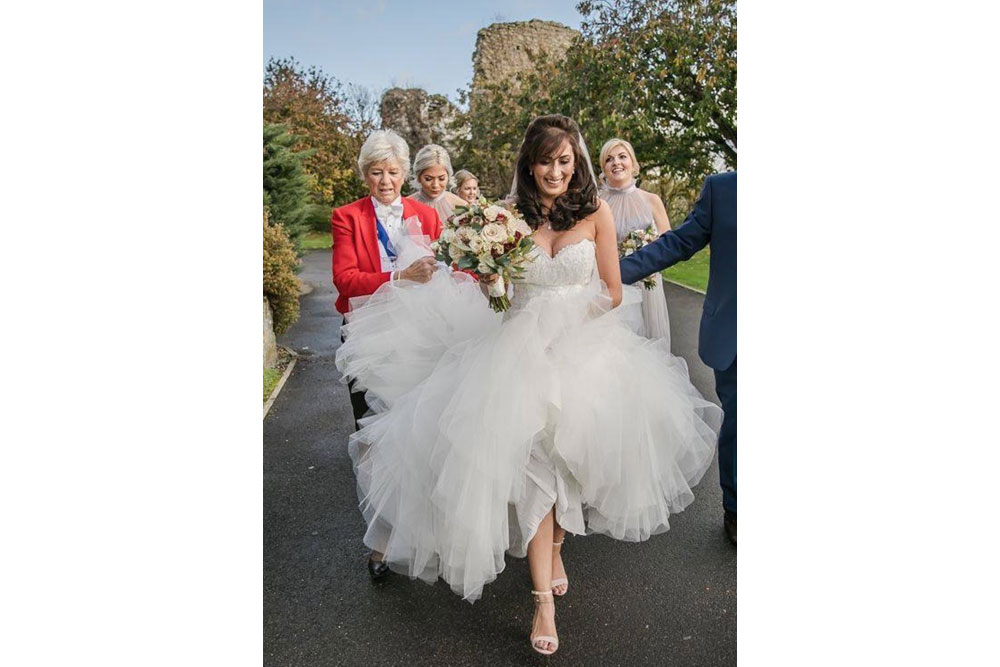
x: 711, y: 222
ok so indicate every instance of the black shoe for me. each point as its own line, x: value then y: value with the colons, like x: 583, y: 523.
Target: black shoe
x: 729, y: 523
x: 377, y: 569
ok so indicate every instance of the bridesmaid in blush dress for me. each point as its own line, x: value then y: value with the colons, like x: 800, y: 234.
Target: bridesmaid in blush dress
x: 432, y: 175
x: 634, y: 208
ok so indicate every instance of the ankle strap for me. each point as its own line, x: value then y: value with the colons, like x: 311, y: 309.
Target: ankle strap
x: 559, y: 543
x: 541, y: 592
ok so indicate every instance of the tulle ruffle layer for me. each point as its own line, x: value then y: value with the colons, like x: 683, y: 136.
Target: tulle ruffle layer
x: 484, y: 426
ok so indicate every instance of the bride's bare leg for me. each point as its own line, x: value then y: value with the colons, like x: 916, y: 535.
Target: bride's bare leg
x: 558, y: 569
x: 540, y: 564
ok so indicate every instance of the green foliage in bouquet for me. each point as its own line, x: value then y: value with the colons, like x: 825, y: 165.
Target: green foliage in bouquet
x: 486, y: 239
x: 280, y: 285
x: 635, y: 239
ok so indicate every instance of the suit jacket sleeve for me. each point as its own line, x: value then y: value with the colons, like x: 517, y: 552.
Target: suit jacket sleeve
x: 349, y: 279
x: 675, y: 245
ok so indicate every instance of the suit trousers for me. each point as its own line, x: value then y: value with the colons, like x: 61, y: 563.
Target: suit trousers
x: 725, y: 389
x: 358, y: 403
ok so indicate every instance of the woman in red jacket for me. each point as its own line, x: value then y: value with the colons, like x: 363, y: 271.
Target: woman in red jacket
x: 363, y: 230
x: 363, y: 233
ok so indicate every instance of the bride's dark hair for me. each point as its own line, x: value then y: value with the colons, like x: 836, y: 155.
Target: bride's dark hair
x: 544, y: 136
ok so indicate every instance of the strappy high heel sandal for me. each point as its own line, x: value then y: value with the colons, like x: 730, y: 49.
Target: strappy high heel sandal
x: 539, y: 599
x: 562, y: 581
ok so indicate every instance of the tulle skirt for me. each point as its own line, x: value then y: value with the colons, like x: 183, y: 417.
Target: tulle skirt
x: 483, y: 424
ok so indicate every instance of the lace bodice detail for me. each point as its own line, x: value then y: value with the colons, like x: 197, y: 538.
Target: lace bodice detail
x: 572, y: 269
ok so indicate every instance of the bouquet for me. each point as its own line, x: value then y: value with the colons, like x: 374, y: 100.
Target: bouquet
x: 634, y: 240
x: 486, y: 239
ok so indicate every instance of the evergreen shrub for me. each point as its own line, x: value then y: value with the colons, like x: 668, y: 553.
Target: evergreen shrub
x: 280, y: 285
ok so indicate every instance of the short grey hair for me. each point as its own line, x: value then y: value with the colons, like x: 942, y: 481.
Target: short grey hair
x: 427, y: 157
x: 382, y: 146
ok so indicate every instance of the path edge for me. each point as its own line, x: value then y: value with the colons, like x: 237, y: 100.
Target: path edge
x: 674, y: 282
x: 277, y: 387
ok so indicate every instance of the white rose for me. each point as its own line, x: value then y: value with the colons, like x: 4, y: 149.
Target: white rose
x: 455, y: 252
x: 518, y: 225
x: 484, y: 268
x: 448, y: 235
x: 494, y: 233
x: 465, y: 233
x: 491, y: 212
x: 476, y: 244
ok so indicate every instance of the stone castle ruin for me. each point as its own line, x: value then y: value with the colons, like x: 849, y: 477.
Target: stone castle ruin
x: 503, y: 50
x: 420, y: 118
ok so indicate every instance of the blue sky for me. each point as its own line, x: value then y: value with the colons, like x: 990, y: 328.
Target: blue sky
x: 384, y: 43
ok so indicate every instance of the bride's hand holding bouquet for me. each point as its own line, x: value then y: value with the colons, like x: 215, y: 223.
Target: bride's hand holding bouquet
x: 489, y: 240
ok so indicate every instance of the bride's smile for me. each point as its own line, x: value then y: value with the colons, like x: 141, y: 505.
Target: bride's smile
x: 553, y: 172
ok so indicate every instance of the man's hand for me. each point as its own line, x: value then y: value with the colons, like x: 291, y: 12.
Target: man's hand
x: 420, y: 271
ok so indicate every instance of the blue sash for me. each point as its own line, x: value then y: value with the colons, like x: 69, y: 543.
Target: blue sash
x: 383, y: 238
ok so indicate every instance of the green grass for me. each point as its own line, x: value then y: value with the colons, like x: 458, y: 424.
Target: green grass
x: 271, y: 377
x: 693, y: 273
x: 317, y: 241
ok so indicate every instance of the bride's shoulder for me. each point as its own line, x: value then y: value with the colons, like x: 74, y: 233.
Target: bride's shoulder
x: 602, y: 215
x: 600, y: 221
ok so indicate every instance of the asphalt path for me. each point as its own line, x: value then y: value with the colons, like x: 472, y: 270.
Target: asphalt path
x: 668, y: 601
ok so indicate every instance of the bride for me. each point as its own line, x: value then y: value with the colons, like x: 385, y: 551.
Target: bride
x: 498, y: 435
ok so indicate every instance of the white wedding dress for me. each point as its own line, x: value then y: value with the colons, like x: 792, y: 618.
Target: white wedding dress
x: 484, y: 423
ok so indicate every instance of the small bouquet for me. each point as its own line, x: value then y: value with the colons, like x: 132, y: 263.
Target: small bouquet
x: 486, y: 239
x: 634, y: 240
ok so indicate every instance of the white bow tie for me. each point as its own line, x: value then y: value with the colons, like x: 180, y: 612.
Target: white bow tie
x: 384, y: 211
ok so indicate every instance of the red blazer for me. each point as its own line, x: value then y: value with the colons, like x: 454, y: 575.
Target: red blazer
x: 357, y: 268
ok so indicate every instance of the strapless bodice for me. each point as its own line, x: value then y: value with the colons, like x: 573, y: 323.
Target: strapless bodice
x: 571, y: 270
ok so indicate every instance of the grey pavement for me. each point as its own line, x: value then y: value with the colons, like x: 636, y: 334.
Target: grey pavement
x: 668, y: 601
